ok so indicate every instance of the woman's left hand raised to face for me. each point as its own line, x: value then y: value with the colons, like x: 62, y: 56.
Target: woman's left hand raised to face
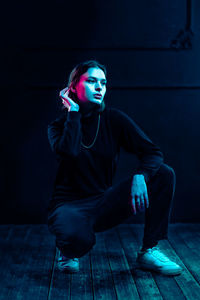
x: 139, y: 193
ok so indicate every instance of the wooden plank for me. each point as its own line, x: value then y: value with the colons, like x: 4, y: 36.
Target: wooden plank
x: 60, y: 287
x: 103, y: 286
x: 193, y: 226
x: 145, y: 283
x: 189, y: 287
x: 124, y: 283
x: 5, y: 230
x: 11, y: 251
x: 39, y: 254
x: 81, y: 283
x: 27, y: 267
x: 189, y: 255
x: 191, y: 235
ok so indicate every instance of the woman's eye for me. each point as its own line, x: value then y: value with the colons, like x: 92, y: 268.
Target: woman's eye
x: 93, y: 81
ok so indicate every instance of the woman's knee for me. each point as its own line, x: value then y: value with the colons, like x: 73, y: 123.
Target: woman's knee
x: 76, y: 242
x: 166, y: 171
x: 70, y: 226
x: 81, y: 234
x: 65, y: 221
x: 86, y: 239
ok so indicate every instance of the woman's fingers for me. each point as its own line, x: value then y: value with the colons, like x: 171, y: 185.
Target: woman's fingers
x: 64, y: 92
x: 64, y: 96
x: 133, y: 205
x: 146, y: 199
x: 142, y: 202
x: 139, y: 202
x: 65, y: 103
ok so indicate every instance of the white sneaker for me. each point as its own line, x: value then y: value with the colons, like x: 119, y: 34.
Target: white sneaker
x: 65, y: 264
x: 153, y: 259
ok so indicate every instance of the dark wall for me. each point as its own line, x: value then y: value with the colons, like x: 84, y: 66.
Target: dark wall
x: 151, y: 51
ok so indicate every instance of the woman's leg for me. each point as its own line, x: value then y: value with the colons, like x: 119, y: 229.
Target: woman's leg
x: 73, y: 230
x: 116, y: 206
x: 161, y: 194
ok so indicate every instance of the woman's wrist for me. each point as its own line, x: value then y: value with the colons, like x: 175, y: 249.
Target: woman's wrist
x: 73, y: 110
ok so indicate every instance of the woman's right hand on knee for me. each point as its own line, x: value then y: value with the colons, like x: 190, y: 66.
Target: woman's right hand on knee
x: 139, y: 193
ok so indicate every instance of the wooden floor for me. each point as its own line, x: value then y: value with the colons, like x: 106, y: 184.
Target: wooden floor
x: 28, y: 265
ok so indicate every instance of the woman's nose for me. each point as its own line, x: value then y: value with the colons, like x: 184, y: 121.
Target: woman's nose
x: 98, y: 86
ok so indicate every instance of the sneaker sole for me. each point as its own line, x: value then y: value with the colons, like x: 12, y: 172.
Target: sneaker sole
x: 67, y: 270
x: 159, y: 270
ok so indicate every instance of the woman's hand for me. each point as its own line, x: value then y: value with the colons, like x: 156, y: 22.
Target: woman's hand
x: 139, y: 193
x: 68, y: 102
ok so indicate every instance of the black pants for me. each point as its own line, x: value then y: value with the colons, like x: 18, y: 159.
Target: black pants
x: 74, y: 223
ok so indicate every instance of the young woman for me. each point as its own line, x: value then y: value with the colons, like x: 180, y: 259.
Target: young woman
x: 86, y: 139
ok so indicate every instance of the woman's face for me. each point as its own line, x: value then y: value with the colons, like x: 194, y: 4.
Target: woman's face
x: 90, y: 83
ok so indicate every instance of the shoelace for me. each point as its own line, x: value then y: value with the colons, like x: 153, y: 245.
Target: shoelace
x: 156, y: 252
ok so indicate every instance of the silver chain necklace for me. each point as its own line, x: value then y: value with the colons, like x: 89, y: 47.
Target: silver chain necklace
x: 95, y: 136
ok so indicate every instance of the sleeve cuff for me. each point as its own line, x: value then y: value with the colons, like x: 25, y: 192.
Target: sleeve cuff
x: 73, y: 115
x: 140, y: 172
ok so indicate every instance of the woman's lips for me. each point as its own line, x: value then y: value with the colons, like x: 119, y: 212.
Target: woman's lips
x: 97, y: 96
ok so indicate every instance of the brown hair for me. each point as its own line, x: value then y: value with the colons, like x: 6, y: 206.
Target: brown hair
x: 75, y: 75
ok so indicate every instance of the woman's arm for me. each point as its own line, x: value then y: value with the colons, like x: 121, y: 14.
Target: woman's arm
x: 134, y: 140
x: 64, y: 134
